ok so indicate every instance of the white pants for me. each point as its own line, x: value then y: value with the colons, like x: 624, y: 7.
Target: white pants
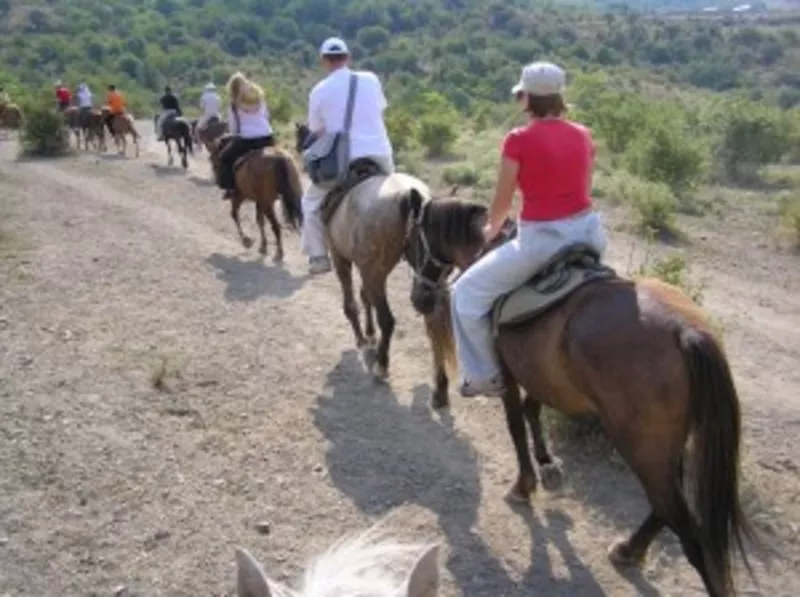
x: 505, y: 269
x: 313, y: 240
x: 160, y: 122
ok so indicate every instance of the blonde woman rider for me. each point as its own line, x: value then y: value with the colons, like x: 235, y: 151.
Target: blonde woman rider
x: 248, y: 120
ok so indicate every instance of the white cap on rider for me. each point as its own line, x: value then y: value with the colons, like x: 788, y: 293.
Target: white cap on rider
x: 333, y: 46
x: 541, y: 78
x: 210, y: 86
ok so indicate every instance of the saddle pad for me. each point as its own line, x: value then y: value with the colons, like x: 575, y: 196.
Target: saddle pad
x: 555, y: 283
x: 359, y: 171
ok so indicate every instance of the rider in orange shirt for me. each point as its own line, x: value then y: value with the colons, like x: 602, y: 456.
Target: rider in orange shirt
x: 116, y: 106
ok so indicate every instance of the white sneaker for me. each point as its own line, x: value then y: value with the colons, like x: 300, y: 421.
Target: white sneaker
x: 319, y: 265
x: 493, y: 388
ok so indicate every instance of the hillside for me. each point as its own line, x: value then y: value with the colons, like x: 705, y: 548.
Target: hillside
x: 467, y: 49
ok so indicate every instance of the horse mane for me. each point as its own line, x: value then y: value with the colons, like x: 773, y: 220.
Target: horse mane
x: 370, y: 564
x: 454, y: 222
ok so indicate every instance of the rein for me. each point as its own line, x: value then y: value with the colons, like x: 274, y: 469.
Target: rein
x: 415, y: 225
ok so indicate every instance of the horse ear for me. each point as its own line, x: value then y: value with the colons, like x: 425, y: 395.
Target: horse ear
x: 423, y: 581
x: 251, y: 581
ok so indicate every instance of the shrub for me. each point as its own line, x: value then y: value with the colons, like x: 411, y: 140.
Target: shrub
x: 654, y: 201
x: 402, y: 128
x: 437, y: 134
x: 750, y: 136
x: 666, y: 154
x: 791, y: 218
x: 461, y: 174
x: 43, y: 131
x: 672, y: 270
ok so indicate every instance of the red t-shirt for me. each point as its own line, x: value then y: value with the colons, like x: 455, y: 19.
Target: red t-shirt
x: 63, y: 95
x: 555, y: 160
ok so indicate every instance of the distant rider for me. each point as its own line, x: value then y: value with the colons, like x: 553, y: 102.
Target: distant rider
x: 169, y: 107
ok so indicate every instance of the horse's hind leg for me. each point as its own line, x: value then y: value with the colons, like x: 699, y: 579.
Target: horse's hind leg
x: 344, y: 271
x: 276, y: 231
x: 525, y: 484
x: 370, y: 321
x: 236, y: 203
x: 170, y: 159
x: 262, y: 248
x: 377, y: 296
x: 549, y: 470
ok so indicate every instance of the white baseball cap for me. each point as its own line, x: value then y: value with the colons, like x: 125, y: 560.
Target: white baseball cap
x: 541, y: 78
x: 210, y: 86
x: 334, y: 46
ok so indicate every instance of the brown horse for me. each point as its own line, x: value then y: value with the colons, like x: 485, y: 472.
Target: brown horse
x: 87, y: 124
x: 122, y: 125
x: 210, y: 133
x: 261, y: 176
x: 10, y: 116
x: 640, y: 355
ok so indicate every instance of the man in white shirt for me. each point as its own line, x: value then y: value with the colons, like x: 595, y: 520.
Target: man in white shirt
x: 327, y: 104
x: 211, y: 104
x: 84, y: 97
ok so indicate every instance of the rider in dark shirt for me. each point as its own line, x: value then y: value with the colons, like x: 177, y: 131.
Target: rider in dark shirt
x: 169, y: 107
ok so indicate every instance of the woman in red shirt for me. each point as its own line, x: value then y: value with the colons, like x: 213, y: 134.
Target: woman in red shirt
x: 550, y: 161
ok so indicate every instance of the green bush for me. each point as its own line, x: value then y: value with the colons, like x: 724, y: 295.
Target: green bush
x: 750, y: 137
x: 666, y: 154
x: 437, y: 134
x: 44, y: 132
x: 461, y: 174
x: 402, y: 128
x: 653, y: 201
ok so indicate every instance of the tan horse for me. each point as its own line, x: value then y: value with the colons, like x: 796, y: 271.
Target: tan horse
x: 10, y: 116
x: 261, y: 176
x: 640, y: 355
x: 86, y: 124
x: 368, y: 230
x: 121, y: 126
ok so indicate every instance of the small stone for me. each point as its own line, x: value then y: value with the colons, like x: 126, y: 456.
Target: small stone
x: 121, y: 591
x: 318, y: 468
x: 263, y: 527
x: 161, y: 535
x: 3, y: 541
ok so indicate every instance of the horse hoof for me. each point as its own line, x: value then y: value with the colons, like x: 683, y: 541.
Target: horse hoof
x: 440, y: 400
x: 372, y: 341
x: 369, y: 354
x: 379, y: 372
x: 552, y: 476
x: 247, y: 242
x: 262, y: 250
x: 620, y: 555
x: 277, y: 260
x: 515, y: 495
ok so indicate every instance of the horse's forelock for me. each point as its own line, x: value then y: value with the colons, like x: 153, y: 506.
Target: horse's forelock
x: 455, y: 223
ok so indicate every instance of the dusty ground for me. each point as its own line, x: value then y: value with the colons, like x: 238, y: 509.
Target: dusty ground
x: 117, y: 268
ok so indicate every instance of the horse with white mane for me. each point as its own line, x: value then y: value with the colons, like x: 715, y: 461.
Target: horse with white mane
x: 365, y: 565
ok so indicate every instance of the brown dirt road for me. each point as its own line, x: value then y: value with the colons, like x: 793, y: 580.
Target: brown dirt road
x: 122, y: 264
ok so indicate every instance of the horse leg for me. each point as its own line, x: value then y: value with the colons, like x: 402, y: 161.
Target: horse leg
x: 184, y: 148
x: 386, y: 324
x: 170, y: 159
x: 262, y: 248
x: 276, y: 231
x: 368, y: 316
x: 236, y: 203
x: 525, y: 484
x: 440, y: 334
x: 344, y: 271
x: 549, y: 469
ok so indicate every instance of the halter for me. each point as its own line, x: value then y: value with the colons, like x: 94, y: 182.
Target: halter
x: 415, y: 224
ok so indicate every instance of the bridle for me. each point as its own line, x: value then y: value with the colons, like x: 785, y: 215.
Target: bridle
x: 428, y: 258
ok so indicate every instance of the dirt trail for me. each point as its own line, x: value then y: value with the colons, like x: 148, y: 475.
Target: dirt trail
x: 106, y: 481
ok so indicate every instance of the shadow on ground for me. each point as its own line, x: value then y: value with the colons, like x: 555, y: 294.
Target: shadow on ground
x: 249, y: 280
x: 384, y: 455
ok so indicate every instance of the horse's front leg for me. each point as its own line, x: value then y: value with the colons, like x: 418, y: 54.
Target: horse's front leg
x: 170, y: 159
x: 525, y: 484
x: 236, y: 203
x: 438, y: 329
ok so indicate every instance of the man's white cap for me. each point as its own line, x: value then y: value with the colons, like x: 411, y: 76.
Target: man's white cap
x: 210, y: 86
x: 334, y: 46
x: 541, y: 78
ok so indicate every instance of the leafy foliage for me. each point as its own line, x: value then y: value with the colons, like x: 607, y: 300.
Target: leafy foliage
x: 44, y: 132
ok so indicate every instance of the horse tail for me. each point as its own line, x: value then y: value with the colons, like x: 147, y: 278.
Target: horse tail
x: 187, y: 137
x: 721, y: 524
x: 291, y: 189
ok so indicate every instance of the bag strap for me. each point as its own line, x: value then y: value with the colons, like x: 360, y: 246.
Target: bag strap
x: 351, y: 100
